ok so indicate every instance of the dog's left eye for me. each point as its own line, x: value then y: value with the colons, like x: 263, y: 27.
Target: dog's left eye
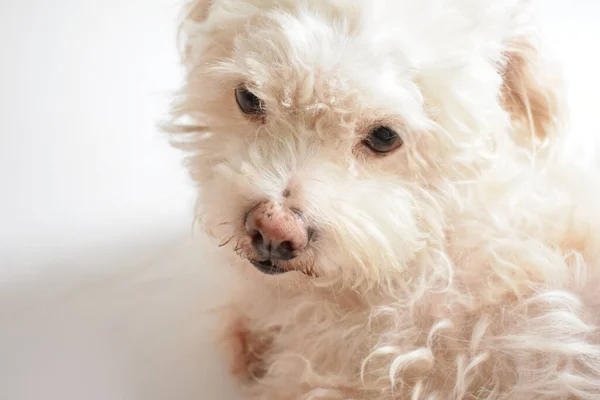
x: 383, y: 140
x: 248, y: 102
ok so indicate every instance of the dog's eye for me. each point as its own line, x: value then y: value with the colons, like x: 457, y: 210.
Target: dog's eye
x: 383, y: 140
x: 248, y: 102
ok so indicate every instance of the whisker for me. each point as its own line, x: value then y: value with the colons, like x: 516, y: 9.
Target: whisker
x: 225, y: 241
x: 195, y: 223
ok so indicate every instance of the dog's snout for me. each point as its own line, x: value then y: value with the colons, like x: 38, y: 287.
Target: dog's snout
x: 278, y: 233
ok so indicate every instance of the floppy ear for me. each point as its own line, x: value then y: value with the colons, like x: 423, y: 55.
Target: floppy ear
x: 195, y: 12
x: 532, y: 94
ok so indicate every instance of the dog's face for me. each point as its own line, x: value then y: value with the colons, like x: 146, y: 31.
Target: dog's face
x: 330, y: 137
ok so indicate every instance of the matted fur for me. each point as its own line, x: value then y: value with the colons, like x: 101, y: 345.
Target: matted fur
x: 463, y: 266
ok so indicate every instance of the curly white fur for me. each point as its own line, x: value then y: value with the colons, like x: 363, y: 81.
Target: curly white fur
x: 463, y: 266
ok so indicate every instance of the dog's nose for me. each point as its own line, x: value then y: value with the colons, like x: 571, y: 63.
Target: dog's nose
x: 278, y: 233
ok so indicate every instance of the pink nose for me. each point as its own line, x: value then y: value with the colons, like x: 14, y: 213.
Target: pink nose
x: 278, y: 233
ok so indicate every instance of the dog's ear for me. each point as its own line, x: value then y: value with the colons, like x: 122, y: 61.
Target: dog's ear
x: 532, y: 93
x: 197, y: 10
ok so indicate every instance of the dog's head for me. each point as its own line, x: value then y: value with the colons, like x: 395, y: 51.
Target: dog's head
x: 332, y: 137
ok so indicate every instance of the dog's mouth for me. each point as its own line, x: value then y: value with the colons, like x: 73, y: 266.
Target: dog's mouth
x: 267, y: 267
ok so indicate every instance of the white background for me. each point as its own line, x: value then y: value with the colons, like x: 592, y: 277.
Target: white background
x: 102, y: 290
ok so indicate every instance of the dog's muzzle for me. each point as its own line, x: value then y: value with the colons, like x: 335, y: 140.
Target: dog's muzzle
x: 278, y: 234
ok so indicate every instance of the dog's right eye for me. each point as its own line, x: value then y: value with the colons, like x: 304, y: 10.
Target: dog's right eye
x: 248, y: 102
x: 382, y: 140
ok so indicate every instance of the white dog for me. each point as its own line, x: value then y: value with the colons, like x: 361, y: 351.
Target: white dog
x: 387, y: 176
